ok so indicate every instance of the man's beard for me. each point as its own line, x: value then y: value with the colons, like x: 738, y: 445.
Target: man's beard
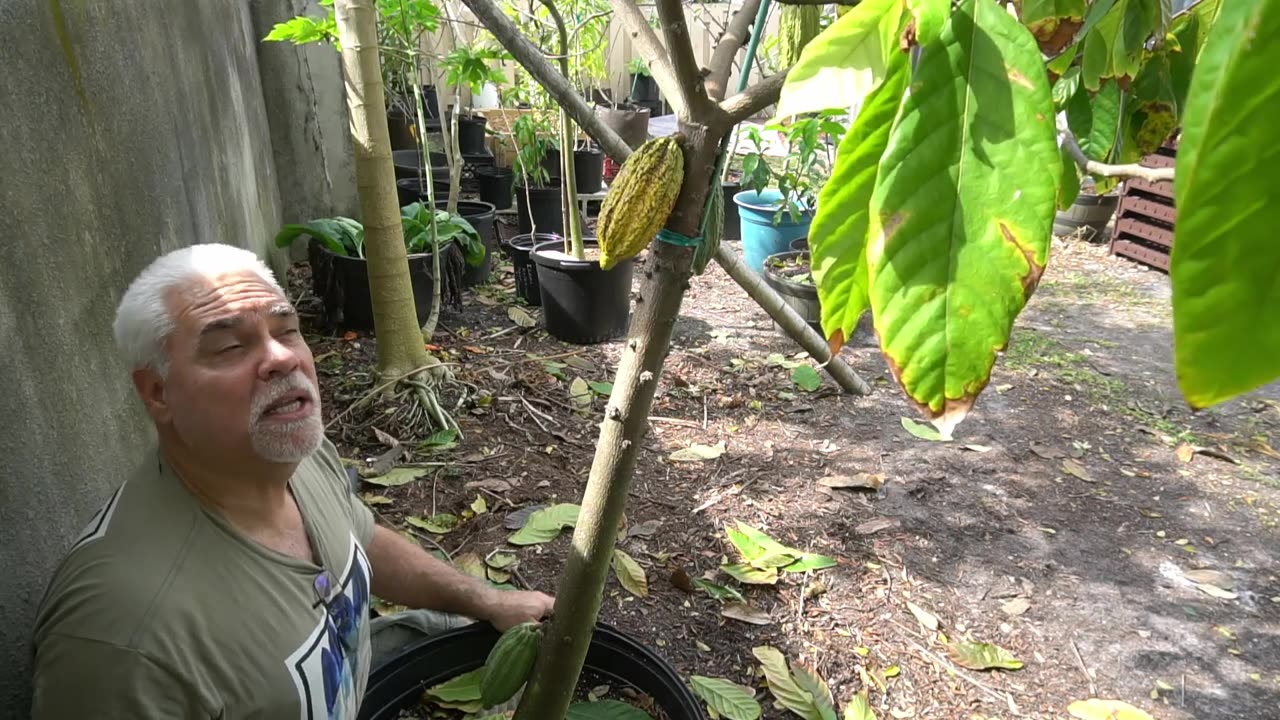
x: 289, y: 442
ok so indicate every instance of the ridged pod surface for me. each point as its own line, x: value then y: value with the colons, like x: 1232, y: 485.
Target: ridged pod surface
x: 711, y: 231
x: 640, y: 200
x: 507, y: 667
x: 797, y: 25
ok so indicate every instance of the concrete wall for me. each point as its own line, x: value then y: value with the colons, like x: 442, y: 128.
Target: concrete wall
x: 126, y: 128
x: 306, y: 109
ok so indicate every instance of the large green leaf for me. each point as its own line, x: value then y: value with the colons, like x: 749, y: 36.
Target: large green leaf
x: 605, y: 710
x: 845, y: 62
x: 962, y: 213
x: 729, y: 699
x: 1226, y: 260
x: 1150, y: 109
x: 838, y: 234
x: 1095, y: 120
x: 929, y: 17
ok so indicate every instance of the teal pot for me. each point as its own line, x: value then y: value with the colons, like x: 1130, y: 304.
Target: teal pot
x: 761, y: 236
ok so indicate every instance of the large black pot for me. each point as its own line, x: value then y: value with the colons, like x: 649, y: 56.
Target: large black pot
x: 495, y: 186
x: 526, y: 271
x: 342, y: 284
x: 581, y: 303
x: 732, y: 222
x: 412, y: 190
x: 481, y: 216
x: 644, y: 89
x: 618, y: 660
x: 471, y: 134
x: 542, y: 206
x: 408, y: 163
x: 802, y: 297
x: 400, y: 126
x: 588, y: 168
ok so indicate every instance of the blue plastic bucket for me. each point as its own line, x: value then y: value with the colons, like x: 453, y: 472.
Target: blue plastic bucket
x: 760, y: 236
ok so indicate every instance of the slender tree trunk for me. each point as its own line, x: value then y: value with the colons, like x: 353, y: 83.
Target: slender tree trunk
x: 568, y: 176
x: 578, y: 597
x: 400, y: 345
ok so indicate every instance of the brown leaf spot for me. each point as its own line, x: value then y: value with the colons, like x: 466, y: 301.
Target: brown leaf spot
x: 1034, y: 270
x: 908, y: 39
x: 890, y: 225
x: 1056, y: 34
x: 1019, y: 79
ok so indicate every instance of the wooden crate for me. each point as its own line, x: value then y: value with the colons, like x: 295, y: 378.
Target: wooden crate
x: 1146, y: 214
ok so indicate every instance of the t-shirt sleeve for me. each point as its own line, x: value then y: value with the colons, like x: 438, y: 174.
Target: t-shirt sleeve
x: 361, y: 516
x: 81, y: 678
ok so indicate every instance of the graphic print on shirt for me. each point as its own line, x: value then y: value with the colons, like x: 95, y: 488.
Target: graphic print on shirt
x: 323, y: 668
x: 96, y: 528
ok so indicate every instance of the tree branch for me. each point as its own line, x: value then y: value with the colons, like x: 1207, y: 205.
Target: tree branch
x: 687, y: 73
x: 651, y: 49
x: 556, y: 84
x: 732, y: 41
x: 754, y: 99
x: 1094, y: 167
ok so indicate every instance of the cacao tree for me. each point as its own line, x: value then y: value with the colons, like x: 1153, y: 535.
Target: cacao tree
x: 938, y: 217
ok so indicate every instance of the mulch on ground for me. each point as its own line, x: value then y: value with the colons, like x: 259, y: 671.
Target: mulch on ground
x: 1061, y: 524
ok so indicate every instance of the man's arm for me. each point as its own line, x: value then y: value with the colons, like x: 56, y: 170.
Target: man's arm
x: 405, y: 574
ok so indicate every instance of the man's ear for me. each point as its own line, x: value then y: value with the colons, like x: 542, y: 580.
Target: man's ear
x: 150, y: 388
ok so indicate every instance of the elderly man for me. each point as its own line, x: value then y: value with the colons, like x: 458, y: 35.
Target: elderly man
x: 230, y: 575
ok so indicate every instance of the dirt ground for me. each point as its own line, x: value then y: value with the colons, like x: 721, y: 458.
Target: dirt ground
x: 1059, y: 525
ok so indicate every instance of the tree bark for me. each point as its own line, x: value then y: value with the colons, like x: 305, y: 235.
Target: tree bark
x: 730, y: 45
x: 556, y: 84
x: 688, y: 76
x: 651, y: 49
x: 666, y: 277
x: 400, y: 346
x: 754, y: 99
x: 1093, y: 167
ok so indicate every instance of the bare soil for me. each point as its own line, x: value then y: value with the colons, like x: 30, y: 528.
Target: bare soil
x: 1059, y: 524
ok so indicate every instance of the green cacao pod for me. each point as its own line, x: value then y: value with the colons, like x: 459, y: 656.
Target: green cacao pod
x: 509, y: 662
x: 796, y: 27
x: 712, y: 229
x: 639, y: 200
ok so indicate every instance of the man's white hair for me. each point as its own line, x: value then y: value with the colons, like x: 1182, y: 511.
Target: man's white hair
x: 143, y: 323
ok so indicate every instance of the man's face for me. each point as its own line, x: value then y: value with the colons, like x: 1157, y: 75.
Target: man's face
x: 241, y: 380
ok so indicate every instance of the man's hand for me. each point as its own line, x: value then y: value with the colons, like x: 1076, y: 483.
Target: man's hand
x: 508, y: 608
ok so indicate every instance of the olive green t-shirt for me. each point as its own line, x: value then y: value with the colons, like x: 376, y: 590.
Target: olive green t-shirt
x: 161, y: 609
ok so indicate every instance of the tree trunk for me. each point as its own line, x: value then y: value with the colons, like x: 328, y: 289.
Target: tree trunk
x: 578, y: 597
x: 400, y: 345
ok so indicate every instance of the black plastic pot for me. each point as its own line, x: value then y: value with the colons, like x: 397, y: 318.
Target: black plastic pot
x: 581, y: 303
x: 496, y: 186
x: 471, y: 134
x: 800, y: 244
x: 619, y: 661
x: 432, y: 101
x: 588, y: 169
x: 1089, y: 211
x: 631, y: 122
x: 732, y: 222
x: 526, y: 271
x: 481, y: 216
x: 411, y: 190
x: 400, y: 125
x: 802, y: 297
x: 644, y: 89
x: 342, y: 284
x: 408, y: 163
x: 542, y: 207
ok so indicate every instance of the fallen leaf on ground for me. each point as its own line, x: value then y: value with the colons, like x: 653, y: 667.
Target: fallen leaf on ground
x: 697, y: 452
x: 545, y: 525
x: 977, y: 448
x: 925, y: 618
x: 517, y: 518
x: 1215, y: 591
x: 644, y: 529
x: 493, y: 486
x: 1016, y: 607
x: 751, y: 576
x: 1047, y: 452
x: 1210, y: 577
x: 681, y: 580
x: 718, y: 592
x: 580, y: 394
x: 866, y: 481
x: 385, y: 438
x: 875, y: 525
x: 859, y: 708
x: 396, y: 477
x: 1100, y: 709
x: 471, y: 564
x: 727, y: 699
x: 630, y: 574
x: 806, y: 378
x: 782, y: 685
x: 922, y: 431
x: 746, y: 613
x: 982, y: 656
x: 1071, y: 467
x: 500, y: 560
x: 439, y: 523
x: 580, y: 363
x: 375, y: 499
x: 520, y: 317
x: 1185, y: 452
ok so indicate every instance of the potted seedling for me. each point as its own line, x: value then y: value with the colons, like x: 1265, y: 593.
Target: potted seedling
x: 776, y: 205
x: 790, y: 275
x: 339, y: 276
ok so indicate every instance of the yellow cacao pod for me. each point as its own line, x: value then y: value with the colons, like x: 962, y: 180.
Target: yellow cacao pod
x: 797, y: 25
x: 712, y: 230
x: 639, y: 200
x: 507, y: 667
